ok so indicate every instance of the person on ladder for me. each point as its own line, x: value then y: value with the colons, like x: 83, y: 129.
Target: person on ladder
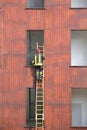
x: 38, y: 63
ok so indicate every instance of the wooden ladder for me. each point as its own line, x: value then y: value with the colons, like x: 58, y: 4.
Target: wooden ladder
x: 39, y: 108
x: 40, y: 105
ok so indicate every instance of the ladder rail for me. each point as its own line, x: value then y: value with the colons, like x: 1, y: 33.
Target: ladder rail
x: 39, y: 107
x: 41, y: 123
x: 40, y: 90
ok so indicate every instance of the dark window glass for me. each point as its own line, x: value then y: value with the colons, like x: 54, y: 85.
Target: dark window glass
x: 79, y: 48
x: 35, y: 3
x: 33, y: 37
x: 79, y: 3
x: 30, y: 114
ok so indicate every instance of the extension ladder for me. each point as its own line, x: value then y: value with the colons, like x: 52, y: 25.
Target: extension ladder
x: 39, y: 108
x: 40, y: 105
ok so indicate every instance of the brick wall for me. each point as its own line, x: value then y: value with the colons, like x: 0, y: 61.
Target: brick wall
x: 57, y: 20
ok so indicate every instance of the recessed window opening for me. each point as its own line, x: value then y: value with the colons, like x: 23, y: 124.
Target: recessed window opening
x: 78, y: 48
x: 35, y: 3
x: 30, y: 112
x: 79, y: 3
x: 79, y: 107
x: 33, y: 36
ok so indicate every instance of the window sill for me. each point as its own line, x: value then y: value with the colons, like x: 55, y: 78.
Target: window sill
x: 27, y: 66
x: 78, y: 7
x: 27, y: 126
x: 27, y: 8
x: 79, y: 127
x: 77, y: 66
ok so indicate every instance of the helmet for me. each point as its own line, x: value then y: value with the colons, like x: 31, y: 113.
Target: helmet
x: 38, y: 50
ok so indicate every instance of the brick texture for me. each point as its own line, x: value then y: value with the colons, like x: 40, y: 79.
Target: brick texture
x: 57, y: 20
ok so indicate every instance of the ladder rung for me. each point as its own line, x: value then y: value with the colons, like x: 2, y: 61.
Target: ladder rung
x: 39, y: 88
x: 39, y: 96
x: 40, y: 126
x: 40, y: 101
x: 39, y: 92
x: 39, y: 109
x: 39, y: 114
x: 39, y: 83
x: 39, y: 105
x: 40, y: 46
x: 39, y: 120
x: 39, y: 123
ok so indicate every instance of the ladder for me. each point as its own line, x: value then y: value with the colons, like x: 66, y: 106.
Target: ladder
x: 39, y: 107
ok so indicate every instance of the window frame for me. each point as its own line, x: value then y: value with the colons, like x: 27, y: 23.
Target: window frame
x: 28, y: 46
x: 71, y: 126
x: 30, y: 122
x: 71, y: 47
x: 76, y: 7
x: 35, y: 8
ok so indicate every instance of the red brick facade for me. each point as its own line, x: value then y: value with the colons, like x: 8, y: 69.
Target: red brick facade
x: 57, y: 20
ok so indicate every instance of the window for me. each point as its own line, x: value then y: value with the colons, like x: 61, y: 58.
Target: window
x: 35, y: 3
x: 79, y: 107
x: 30, y: 113
x: 33, y: 36
x: 79, y: 3
x: 79, y: 48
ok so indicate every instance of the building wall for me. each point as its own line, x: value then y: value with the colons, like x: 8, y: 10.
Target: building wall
x: 57, y: 20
